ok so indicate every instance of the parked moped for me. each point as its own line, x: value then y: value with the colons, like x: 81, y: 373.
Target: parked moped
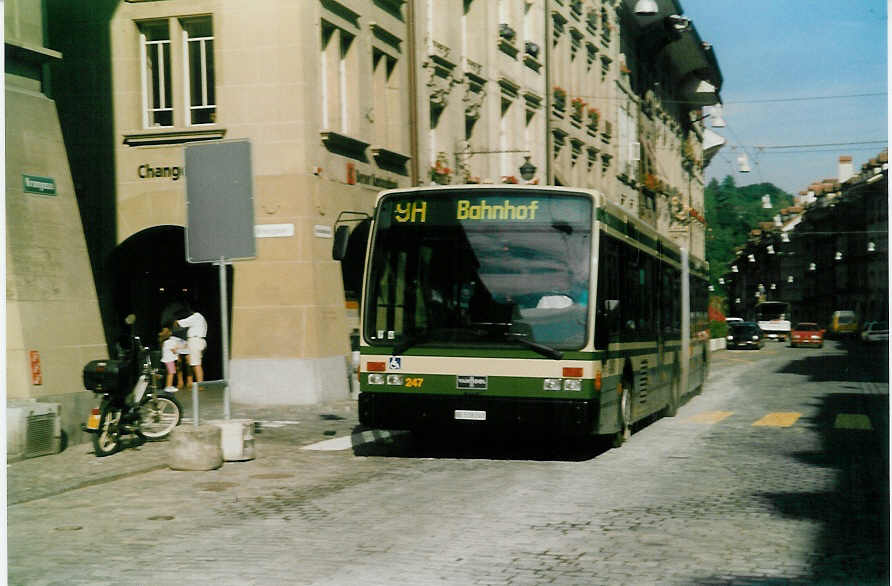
x: 132, y: 401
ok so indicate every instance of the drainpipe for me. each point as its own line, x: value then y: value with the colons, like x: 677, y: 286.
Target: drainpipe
x: 549, y: 139
x: 413, y: 93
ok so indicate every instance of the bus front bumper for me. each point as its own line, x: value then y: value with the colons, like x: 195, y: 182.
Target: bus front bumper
x: 412, y: 411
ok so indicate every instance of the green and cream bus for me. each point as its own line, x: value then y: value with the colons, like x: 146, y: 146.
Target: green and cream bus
x: 534, y: 306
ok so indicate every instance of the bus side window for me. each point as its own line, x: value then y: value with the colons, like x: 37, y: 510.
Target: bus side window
x: 609, y: 317
x: 671, y: 300
x: 647, y: 299
x: 638, y: 294
x: 609, y: 275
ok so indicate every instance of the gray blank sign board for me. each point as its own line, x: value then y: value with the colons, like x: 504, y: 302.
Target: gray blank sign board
x: 219, y: 202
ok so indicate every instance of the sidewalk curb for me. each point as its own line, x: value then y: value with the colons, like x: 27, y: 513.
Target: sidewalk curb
x: 77, y: 466
x: 55, y: 491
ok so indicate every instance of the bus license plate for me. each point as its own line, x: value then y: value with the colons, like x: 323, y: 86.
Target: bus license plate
x: 470, y: 415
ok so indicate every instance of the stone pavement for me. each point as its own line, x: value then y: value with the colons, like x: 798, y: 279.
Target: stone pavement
x: 278, y: 428
x: 684, y: 502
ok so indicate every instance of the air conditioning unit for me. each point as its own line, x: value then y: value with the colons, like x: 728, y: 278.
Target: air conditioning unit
x: 32, y: 429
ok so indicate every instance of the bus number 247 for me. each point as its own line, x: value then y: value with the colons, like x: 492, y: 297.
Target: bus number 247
x: 415, y: 382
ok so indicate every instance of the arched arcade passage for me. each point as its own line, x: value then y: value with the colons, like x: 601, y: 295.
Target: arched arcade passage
x: 150, y: 271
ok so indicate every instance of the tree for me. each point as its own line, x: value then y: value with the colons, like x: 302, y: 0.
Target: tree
x: 732, y: 212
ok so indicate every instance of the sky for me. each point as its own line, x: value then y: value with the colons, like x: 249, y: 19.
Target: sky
x: 785, y: 63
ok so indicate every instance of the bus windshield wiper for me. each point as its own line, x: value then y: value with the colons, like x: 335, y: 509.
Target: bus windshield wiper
x: 542, y: 349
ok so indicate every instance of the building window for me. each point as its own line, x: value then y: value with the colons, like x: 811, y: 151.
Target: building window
x: 154, y: 47
x: 198, y: 49
x: 338, y: 64
x: 629, y: 148
x: 385, y: 99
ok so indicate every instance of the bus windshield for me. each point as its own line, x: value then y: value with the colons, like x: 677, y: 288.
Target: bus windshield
x: 479, y: 267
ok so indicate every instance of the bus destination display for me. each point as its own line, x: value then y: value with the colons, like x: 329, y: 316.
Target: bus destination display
x: 422, y: 211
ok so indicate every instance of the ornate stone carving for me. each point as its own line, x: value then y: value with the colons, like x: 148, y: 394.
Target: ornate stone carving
x: 440, y: 79
x: 677, y: 213
x: 475, y: 94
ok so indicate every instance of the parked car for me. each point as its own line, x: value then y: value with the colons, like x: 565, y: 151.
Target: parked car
x: 875, y: 331
x: 864, y: 327
x: 744, y: 334
x: 807, y: 334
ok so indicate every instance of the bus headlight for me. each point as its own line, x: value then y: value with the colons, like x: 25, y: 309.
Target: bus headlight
x: 572, y: 384
x: 376, y: 378
x: 552, y: 384
x: 730, y: 338
x: 395, y: 379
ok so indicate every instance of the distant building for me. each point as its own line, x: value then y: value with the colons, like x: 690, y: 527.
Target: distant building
x: 830, y: 252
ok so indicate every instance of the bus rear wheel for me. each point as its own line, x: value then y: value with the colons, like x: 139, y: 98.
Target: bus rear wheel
x: 624, y: 415
x: 674, y: 398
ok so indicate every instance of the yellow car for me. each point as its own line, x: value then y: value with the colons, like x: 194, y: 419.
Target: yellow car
x: 844, y: 322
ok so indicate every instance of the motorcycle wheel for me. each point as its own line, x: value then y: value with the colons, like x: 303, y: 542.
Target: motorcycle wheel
x: 158, y: 416
x: 107, y: 440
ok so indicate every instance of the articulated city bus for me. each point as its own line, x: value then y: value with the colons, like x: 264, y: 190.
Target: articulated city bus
x: 524, y: 306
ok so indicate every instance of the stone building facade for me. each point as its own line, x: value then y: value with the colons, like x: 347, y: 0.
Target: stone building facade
x: 52, y: 317
x: 341, y: 99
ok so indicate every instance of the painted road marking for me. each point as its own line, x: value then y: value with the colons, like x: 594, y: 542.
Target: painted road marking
x: 275, y: 424
x: 709, y: 416
x: 778, y: 419
x: 852, y: 421
x: 351, y: 441
x: 784, y: 419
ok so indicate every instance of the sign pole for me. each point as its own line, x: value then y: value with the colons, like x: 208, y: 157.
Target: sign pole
x: 220, y: 220
x: 224, y: 333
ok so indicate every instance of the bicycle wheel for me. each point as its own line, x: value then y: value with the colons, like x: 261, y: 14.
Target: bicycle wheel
x: 107, y: 440
x: 158, y: 416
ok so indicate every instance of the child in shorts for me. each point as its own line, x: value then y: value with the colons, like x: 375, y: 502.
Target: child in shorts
x: 171, y: 347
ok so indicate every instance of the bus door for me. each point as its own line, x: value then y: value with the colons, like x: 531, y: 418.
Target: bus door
x: 649, y: 280
x: 661, y: 372
x: 659, y: 315
x: 669, y: 311
x: 641, y: 328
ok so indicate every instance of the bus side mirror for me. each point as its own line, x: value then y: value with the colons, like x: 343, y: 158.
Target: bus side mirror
x: 339, y: 247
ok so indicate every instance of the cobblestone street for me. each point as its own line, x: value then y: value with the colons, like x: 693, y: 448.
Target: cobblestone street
x: 706, y: 497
